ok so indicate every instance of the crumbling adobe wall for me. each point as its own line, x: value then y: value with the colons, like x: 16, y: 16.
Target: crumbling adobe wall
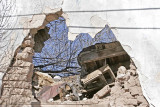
x: 17, y: 88
x: 17, y: 80
x: 135, y: 23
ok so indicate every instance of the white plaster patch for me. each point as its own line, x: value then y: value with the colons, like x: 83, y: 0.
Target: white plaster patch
x: 37, y: 21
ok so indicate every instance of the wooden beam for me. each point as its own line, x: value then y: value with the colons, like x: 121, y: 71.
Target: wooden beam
x: 101, y: 54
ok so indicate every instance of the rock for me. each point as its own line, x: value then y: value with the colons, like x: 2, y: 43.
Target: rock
x: 135, y: 90
x: 120, y: 76
x: 121, y: 70
x: 57, y: 78
x: 123, y: 77
x: 79, y: 94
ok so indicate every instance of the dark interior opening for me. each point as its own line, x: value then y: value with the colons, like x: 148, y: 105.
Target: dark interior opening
x: 108, y: 77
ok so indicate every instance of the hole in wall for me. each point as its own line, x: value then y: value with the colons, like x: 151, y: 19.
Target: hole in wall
x: 95, y: 59
x: 64, y: 60
x: 54, y: 52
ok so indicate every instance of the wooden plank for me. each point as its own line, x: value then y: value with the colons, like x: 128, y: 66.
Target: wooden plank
x: 101, y: 54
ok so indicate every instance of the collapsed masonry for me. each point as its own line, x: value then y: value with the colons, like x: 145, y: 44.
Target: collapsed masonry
x: 17, y: 82
x: 108, y: 75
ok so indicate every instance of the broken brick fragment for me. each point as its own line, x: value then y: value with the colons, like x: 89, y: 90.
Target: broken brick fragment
x: 104, y: 91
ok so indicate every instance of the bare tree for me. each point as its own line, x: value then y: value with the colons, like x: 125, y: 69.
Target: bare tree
x: 60, y: 54
x: 7, y: 8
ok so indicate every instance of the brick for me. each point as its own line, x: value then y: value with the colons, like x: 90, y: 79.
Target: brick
x: 131, y: 102
x: 17, y: 84
x: 127, y: 95
x: 132, y: 81
x: 21, y: 63
x: 28, y: 43
x: 119, y: 102
x: 142, y: 100
x: 24, y: 56
x: 18, y: 70
x: 135, y: 90
x: 28, y: 50
x: 17, y: 77
x: 6, y: 92
x: 126, y: 86
x: 6, y: 77
x: 116, y: 90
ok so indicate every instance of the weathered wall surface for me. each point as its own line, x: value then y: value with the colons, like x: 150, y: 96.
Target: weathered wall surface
x: 135, y: 23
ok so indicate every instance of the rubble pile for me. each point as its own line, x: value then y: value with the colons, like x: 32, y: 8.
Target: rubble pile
x: 126, y: 91
x: 48, y: 89
x: 108, y: 76
x: 40, y: 80
x: 123, y: 91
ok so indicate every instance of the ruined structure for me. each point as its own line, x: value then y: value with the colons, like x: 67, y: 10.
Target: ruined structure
x: 134, y: 23
x: 98, y: 55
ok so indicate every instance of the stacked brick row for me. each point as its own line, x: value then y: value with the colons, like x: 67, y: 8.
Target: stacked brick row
x: 17, y: 87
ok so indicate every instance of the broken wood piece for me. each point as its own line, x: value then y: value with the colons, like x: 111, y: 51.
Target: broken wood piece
x: 96, y: 52
x: 91, y: 77
x: 99, y: 78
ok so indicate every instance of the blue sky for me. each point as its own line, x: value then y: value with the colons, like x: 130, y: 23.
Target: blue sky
x: 59, y: 52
